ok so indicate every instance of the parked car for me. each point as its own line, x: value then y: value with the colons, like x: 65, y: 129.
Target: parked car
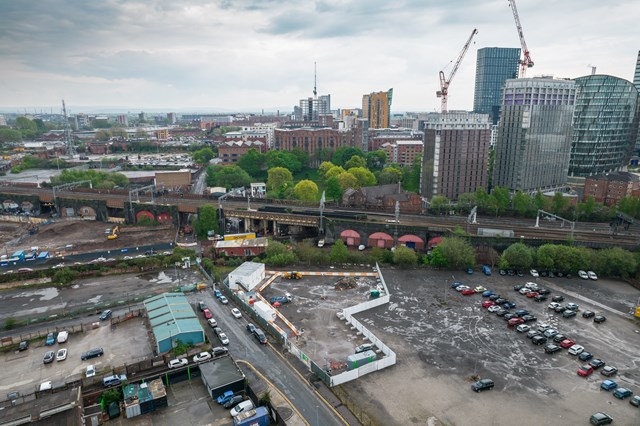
x: 235, y: 400
x: 524, y: 291
x: 207, y: 313
x: 236, y: 313
x: 518, y: 287
x: 212, y: 322
x: 583, y: 275
x: 534, y: 273
x: 48, y: 357
x: 515, y: 321
x: 540, y: 298
x: 532, y: 333
x: 635, y: 401
x: 585, y: 356
x: 202, y: 356
x: 467, y: 292
x: 487, y: 293
x: 568, y: 313
x: 557, y: 298
x: 105, y: 315
x: 592, y: 275
x: 224, y: 300
x: 544, y: 291
x: 608, y: 371
x: 529, y: 318
x: 219, y: 351
x: 588, y: 314
x: 242, y: 407
x: 539, y: 340
x: 488, y: 303
x: 63, y: 336
x: 550, y: 348
x: 61, y: 355
x: 250, y: 327
x: 559, y: 338
x: 585, y: 370
x: 92, y: 353
x: 479, y: 289
x: 261, y: 337
x: 596, y: 363
x: 481, y: 385
x: 523, y: 328
x: 576, y: 350
x: 521, y: 312
x: 608, y: 385
x: 463, y: 287
x: 599, y: 319
x: 508, y: 305
x: 550, y: 332
x: 225, y: 397
x: 178, y: 362
x: 223, y: 338
x: 622, y: 393
x: 560, y: 309
x: 542, y: 327
x: 50, y: 340
x: 601, y: 419
x: 567, y: 343
x: 202, y: 306
x: 90, y: 371
x: 553, y: 305
x: 23, y: 346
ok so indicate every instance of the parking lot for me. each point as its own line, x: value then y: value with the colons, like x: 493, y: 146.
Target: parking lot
x: 23, y: 371
x: 443, y: 338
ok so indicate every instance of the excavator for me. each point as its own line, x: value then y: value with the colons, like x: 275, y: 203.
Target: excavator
x: 114, y: 233
x: 292, y: 275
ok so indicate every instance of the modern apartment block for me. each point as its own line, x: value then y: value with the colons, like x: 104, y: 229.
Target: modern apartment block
x: 403, y: 152
x: 533, y: 140
x: 311, y: 140
x: 494, y: 66
x: 456, y: 153
x: 636, y: 82
x: 605, y: 125
x: 376, y: 107
x: 311, y: 108
x: 123, y: 119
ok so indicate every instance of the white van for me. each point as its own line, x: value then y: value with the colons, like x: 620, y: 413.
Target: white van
x: 242, y: 407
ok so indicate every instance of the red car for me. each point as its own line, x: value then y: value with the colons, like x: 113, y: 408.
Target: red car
x: 207, y: 314
x: 468, y: 292
x: 532, y: 294
x: 515, y: 321
x: 585, y: 370
x: 488, y: 303
x: 567, y: 343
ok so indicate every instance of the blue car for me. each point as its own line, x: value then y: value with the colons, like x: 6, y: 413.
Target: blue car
x: 622, y: 393
x: 217, y: 294
x: 608, y: 385
x: 470, y: 271
x: 225, y: 397
x: 508, y: 305
x: 51, y: 339
x: 488, y: 293
x: 456, y: 284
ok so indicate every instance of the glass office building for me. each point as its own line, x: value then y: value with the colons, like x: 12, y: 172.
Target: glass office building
x: 605, y: 125
x: 533, y: 140
x: 636, y: 82
x: 494, y: 65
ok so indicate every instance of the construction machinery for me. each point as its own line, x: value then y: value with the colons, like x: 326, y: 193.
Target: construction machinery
x: 526, y: 61
x: 292, y: 275
x: 445, y: 82
x: 114, y: 233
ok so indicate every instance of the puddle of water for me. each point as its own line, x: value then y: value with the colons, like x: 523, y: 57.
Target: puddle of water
x: 43, y: 294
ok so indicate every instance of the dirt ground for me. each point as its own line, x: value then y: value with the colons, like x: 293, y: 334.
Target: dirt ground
x: 85, y: 236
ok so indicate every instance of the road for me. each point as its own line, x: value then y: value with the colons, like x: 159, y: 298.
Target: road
x: 244, y: 346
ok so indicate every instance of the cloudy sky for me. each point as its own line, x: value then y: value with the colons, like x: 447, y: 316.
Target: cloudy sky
x: 246, y: 55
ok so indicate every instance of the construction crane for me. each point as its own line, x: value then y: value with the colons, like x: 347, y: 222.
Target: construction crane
x: 445, y: 82
x: 526, y: 61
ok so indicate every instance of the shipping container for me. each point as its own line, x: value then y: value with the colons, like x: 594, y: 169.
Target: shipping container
x: 265, y: 311
x: 244, y: 236
x: 358, y: 360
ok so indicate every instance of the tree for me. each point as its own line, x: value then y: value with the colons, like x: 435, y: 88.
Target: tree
x: 521, y: 203
x: 559, y: 203
x: 617, y: 263
x: 518, y: 256
x: 339, y: 252
x: 390, y: 175
x: 344, y: 154
x: 103, y: 135
x: 376, y: 159
x: 404, y: 256
x: 284, y: 159
x: 324, y: 168
x: 458, y: 253
x: 230, y: 176
x: 334, y: 189
x: 364, y: 176
x: 411, y: 178
x: 333, y: 172
x: 253, y: 162
x: 439, y: 203
x: 203, y: 156
x: 467, y: 200
x: 355, y: 161
x: 10, y: 135
x: 545, y: 257
x: 278, y: 176
x: 348, y: 180
x: 207, y: 221
x: 306, y: 190
x: 501, y: 199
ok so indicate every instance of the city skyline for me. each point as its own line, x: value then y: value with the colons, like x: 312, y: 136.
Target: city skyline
x: 250, y: 55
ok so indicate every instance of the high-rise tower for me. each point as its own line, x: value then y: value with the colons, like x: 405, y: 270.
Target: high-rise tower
x: 377, y: 108
x: 636, y: 82
x: 494, y: 65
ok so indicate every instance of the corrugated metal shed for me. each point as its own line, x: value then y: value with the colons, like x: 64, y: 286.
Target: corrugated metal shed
x: 172, y: 318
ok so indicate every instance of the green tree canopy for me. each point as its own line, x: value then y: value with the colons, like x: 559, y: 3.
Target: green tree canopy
x: 364, y: 176
x: 103, y: 135
x: 230, y: 176
x: 324, y: 168
x: 390, y: 175
x: 522, y: 203
x: 334, y: 189
x: 306, y: 190
x: 458, y: 253
x: 99, y: 179
x: 253, y: 162
x: 10, y: 135
x: 203, y: 156
x: 404, y: 256
x: 207, y: 221
x: 339, y: 252
x: 288, y: 160
x: 517, y: 256
x: 355, y: 161
x: 344, y: 154
x: 333, y: 172
x: 376, y: 159
x: 348, y: 180
x: 278, y: 176
x: 439, y: 203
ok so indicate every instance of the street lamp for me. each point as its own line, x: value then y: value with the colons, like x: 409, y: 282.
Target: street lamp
x: 317, y: 421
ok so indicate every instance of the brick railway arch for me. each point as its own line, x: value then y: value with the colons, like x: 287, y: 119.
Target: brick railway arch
x: 350, y: 237
x: 144, y: 213
x: 412, y: 241
x: 381, y: 240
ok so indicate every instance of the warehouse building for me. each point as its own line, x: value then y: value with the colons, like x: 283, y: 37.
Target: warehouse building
x: 172, y: 319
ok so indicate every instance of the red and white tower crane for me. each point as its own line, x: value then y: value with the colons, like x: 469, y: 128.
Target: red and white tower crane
x: 526, y: 61
x: 445, y: 82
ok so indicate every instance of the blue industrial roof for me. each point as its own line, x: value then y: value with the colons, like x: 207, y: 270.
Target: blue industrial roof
x: 170, y: 314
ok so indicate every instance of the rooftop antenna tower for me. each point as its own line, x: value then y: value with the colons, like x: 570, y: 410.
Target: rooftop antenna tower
x: 67, y: 132
x: 593, y: 69
x: 315, y: 86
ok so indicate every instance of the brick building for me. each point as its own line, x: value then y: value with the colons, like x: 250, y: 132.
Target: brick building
x: 230, y: 152
x: 382, y: 197
x: 250, y: 247
x: 403, y: 152
x: 610, y: 188
x: 312, y: 141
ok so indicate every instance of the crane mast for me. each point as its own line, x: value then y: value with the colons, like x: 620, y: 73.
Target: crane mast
x: 526, y: 61
x: 443, y: 93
